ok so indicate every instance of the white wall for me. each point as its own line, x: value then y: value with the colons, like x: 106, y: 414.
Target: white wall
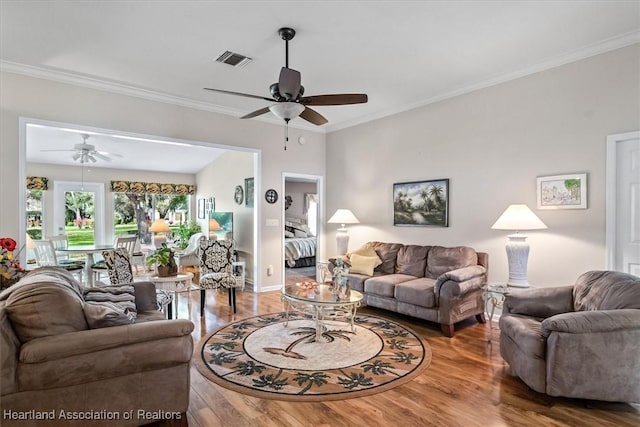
x: 219, y: 180
x: 23, y: 96
x: 492, y: 144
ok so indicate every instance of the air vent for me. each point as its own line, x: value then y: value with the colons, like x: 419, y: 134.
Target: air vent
x: 234, y: 59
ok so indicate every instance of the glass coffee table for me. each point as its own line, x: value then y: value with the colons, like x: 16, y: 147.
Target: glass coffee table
x: 322, y: 302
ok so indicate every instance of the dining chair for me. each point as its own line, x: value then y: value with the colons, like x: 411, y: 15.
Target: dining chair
x: 60, y: 241
x: 216, y: 269
x: 46, y: 256
x: 119, y: 268
x: 124, y: 241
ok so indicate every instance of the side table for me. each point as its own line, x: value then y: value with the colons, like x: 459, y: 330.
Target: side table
x: 179, y: 283
x: 494, y: 297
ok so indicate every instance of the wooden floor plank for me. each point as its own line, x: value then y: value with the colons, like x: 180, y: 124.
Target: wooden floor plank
x: 467, y: 384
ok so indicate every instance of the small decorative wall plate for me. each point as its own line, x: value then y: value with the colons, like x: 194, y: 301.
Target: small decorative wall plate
x: 271, y: 196
x: 238, y: 196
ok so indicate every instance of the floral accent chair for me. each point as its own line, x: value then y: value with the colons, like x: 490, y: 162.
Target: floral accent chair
x: 216, y: 269
x: 120, y: 272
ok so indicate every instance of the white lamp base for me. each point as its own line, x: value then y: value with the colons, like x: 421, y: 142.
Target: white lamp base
x: 342, y: 240
x: 517, y: 254
x: 158, y: 240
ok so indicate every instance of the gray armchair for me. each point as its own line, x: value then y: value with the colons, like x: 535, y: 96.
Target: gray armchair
x: 580, y: 341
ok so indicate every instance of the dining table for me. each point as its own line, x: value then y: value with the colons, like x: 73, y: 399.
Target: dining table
x: 89, y: 251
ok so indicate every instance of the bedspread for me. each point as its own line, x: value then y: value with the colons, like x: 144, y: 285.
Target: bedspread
x: 298, y: 247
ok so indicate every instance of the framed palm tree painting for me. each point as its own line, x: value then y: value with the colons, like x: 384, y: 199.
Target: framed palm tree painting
x: 421, y: 203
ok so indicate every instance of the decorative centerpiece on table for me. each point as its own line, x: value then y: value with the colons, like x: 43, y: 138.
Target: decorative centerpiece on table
x: 340, y: 279
x: 10, y: 269
x: 163, y: 259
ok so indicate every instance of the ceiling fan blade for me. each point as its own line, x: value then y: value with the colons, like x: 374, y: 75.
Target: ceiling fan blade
x: 337, y: 99
x: 101, y: 156
x: 228, y: 92
x: 289, y: 83
x: 256, y: 113
x: 57, y: 150
x: 313, y: 116
x: 104, y: 153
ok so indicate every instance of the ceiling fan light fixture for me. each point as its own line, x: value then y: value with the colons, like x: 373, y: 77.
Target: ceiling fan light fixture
x: 287, y: 110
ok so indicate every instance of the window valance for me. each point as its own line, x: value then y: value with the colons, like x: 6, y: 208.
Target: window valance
x: 138, y: 187
x: 37, y: 183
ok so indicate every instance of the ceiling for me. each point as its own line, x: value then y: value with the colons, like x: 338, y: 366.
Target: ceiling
x: 403, y: 54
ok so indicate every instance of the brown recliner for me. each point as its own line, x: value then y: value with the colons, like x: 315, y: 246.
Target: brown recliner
x: 57, y: 371
x: 580, y: 341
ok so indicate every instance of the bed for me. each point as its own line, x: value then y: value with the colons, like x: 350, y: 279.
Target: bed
x: 299, y: 244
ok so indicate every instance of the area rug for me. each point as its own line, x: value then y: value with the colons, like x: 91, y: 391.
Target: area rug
x: 268, y: 357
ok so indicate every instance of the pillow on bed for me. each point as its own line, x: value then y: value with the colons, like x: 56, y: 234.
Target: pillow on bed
x: 363, y: 264
x: 299, y: 233
x: 287, y: 233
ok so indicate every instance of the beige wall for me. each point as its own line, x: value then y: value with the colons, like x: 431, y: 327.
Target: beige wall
x: 492, y: 144
x: 219, y: 179
x: 23, y: 96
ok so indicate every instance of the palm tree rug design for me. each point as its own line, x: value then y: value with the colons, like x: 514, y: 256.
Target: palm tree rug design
x: 268, y: 357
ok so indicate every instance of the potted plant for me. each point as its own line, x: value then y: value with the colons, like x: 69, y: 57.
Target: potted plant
x: 185, y: 231
x: 163, y: 258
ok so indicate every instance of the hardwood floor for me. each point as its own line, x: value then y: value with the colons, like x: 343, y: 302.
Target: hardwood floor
x: 467, y: 384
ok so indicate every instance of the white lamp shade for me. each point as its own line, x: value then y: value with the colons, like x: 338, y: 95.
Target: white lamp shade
x: 518, y: 217
x: 343, y: 216
x: 287, y: 110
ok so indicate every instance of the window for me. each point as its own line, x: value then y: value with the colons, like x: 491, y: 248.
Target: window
x: 34, y: 216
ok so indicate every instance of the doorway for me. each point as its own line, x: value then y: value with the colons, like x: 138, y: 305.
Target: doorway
x: 78, y: 212
x: 302, y: 219
x: 623, y: 203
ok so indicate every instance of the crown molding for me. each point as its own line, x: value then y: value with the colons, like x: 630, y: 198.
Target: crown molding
x: 137, y: 92
x: 613, y: 43
x: 152, y: 95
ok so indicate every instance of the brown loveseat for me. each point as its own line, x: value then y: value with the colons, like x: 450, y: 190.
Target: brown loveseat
x: 580, y: 341
x: 434, y: 283
x: 56, y: 371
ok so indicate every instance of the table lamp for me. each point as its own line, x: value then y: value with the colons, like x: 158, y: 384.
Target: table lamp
x: 518, y: 217
x: 213, y: 226
x: 159, y: 226
x: 342, y: 217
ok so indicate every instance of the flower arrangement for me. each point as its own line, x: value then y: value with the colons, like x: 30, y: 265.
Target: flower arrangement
x: 10, y: 269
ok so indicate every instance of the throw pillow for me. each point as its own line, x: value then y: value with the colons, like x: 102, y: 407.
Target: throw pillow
x: 363, y: 264
x: 299, y: 233
x: 367, y: 251
x: 288, y: 233
x: 123, y: 296
x: 107, y: 314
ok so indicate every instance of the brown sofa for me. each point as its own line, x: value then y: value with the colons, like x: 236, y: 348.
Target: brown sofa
x: 56, y: 371
x: 580, y: 341
x: 434, y: 283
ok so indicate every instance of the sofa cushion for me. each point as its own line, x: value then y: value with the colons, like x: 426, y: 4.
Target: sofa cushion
x: 44, y: 308
x: 387, y: 252
x: 356, y: 280
x: 412, y: 260
x: 385, y: 285
x: 417, y: 292
x: 525, y: 332
x: 606, y: 290
x: 441, y: 260
x: 363, y: 264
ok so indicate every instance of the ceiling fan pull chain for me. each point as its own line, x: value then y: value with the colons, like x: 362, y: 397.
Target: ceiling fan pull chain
x: 286, y: 133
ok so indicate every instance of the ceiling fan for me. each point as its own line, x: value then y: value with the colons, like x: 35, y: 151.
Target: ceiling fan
x: 287, y: 94
x: 85, y: 153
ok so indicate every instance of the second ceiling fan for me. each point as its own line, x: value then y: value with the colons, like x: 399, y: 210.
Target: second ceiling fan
x: 288, y: 94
